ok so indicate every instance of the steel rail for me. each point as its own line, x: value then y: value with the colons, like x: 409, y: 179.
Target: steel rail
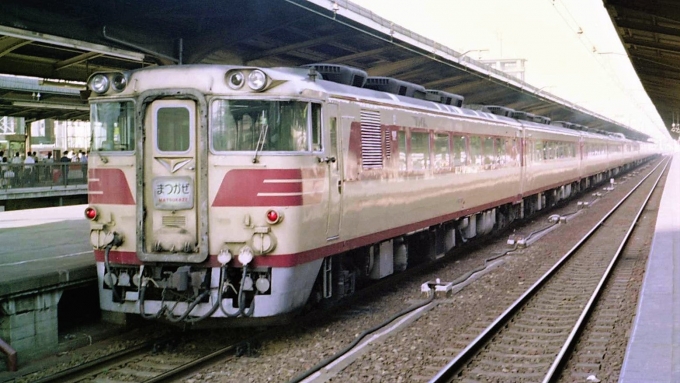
x: 457, y: 363
x: 82, y: 371
x: 561, y: 359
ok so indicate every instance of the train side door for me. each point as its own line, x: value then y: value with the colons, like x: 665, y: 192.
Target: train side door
x: 170, y: 227
x: 334, y: 172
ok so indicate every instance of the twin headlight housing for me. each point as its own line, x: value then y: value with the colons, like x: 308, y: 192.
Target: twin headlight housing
x: 100, y: 83
x: 255, y: 79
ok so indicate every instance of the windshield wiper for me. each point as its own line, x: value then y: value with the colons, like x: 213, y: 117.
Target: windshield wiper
x: 261, y: 139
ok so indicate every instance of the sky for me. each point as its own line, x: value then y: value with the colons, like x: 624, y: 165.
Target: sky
x: 571, y: 47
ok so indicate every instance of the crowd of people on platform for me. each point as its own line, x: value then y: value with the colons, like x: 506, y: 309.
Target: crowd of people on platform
x: 29, y: 170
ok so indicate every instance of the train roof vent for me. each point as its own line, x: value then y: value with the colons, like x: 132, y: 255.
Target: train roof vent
x: 444, y: 97
x: 570, y: 125
x: 501, y: 110
x: 341, y: 74
x: 395, y: 86
x: 526, y: 116
x: 564, y: 124
x: 541, y: 119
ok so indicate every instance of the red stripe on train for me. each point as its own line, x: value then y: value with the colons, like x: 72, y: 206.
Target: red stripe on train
x: 108, y: 186
x: 268, y: 187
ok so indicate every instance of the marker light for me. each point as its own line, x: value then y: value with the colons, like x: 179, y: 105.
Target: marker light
x: 99, y: 83
x: 257, y: 80
x: 224, y: 256
x: 273, y: 217
x: 245, y: 256
x: 91, y: 213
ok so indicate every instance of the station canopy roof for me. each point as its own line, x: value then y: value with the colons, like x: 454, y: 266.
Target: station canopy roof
x: 650, y: 33
x: 58, y: 44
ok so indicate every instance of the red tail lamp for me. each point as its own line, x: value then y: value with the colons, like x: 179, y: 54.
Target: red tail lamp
x: 273, y: 216
x: 91, y: 213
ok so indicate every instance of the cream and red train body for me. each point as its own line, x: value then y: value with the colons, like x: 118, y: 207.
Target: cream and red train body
x: 224, y: 191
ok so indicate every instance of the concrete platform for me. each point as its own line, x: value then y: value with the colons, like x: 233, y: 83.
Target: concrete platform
x: 43, y: 252
x: 653, y: 354
x: 43, y: 247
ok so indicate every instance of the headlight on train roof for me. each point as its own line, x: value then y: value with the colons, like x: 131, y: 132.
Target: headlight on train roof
x: 235, y: 80
x: 118, y: 82
x: 99, y: 83
x: 257, y: 80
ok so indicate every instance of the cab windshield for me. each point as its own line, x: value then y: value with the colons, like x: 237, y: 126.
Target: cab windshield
x: 112, y: 126
x: 262, y: 126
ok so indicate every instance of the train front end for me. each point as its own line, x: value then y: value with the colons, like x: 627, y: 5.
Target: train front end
x: 200, y: 179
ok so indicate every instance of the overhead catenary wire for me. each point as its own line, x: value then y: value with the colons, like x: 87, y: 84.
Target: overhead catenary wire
x: 583, y: 36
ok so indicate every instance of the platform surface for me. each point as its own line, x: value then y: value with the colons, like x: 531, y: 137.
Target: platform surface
x: 653, y: 353
x: 44, y: 248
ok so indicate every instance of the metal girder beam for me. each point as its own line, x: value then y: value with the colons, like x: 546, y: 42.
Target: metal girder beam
x: 290, y: 48
x: 360, y: 55
x: 548, y: 108
x: 664, y: 9
x: 662, y: 89
x: 76, y: 60
x: 526, y: 105
x: 71, y: 43
x: 467, y: 87
x: 667, y: 64
x: 673, y: 48
x: 39, y: 67
x: 258, y: 24
x: 293, y: 58
x: 663, y: 75
x: 661, y: 95
x: 486, y: 95
x: 337, y: 44
x: 390, y: 69
x: 657, y: 91
x: 9, y: 44
x: 646, y: 27
x: 445, y: 81
x: 419, y: 74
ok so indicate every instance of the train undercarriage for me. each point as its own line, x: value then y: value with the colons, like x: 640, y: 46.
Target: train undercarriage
x: 342, y: 274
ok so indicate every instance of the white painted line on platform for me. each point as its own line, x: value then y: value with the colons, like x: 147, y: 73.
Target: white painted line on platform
x: 44, y: 259
x: 31, y: 217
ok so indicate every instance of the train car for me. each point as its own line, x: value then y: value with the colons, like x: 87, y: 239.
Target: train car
x: 551, y: 166
x: 244, y: 193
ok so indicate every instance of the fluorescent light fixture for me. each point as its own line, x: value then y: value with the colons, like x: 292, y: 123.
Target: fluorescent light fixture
x: 63, y: 84
x: 47, y: 105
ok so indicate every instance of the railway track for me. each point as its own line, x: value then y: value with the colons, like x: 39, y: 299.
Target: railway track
x: 151, y: 362
x: 532, y: 340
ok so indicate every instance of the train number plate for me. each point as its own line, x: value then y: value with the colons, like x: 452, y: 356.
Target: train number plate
x: 173, y: 193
